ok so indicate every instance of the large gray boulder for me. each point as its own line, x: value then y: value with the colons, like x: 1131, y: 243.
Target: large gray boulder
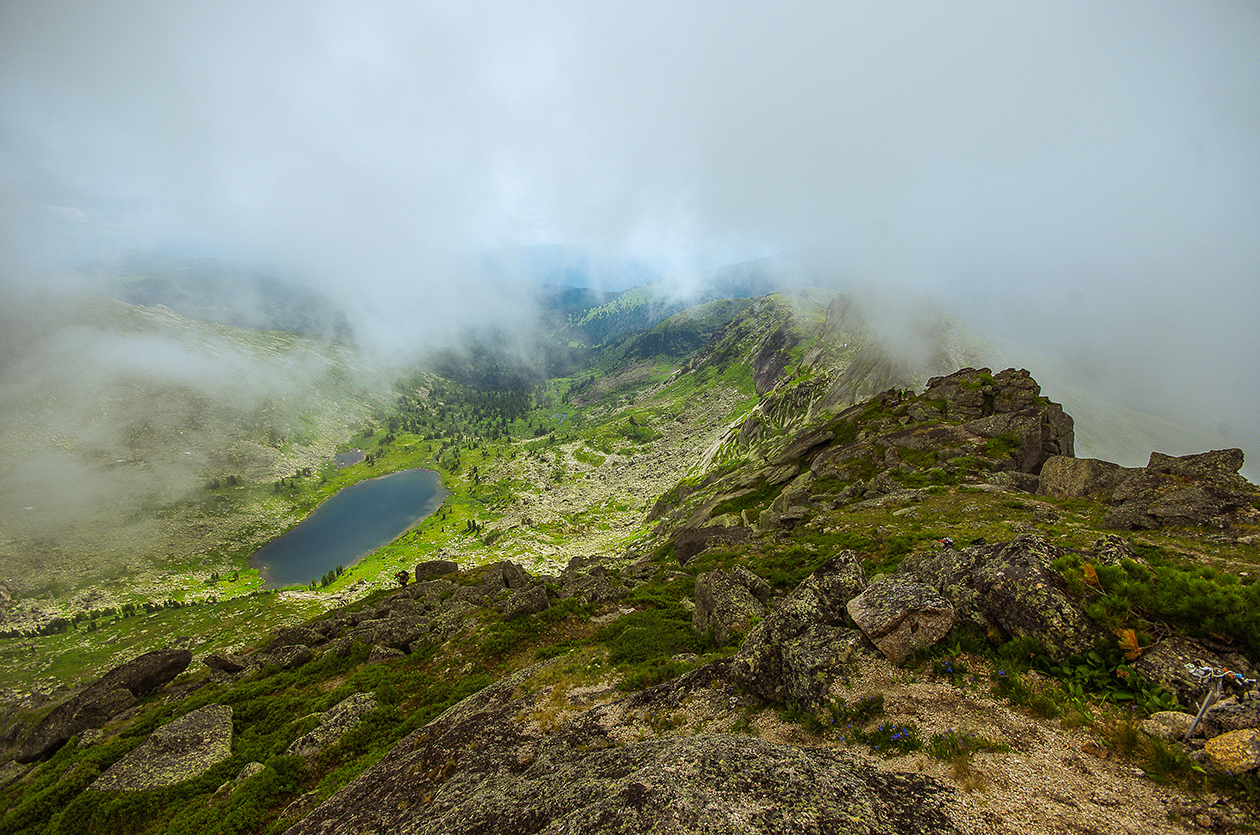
x: 590, y: 580
x: 433, y: 569
x: 397, y: 632
x: 1064, y: 477
x: 429, y: 592
x: 692, y: 541
x: 901, y: 616
x: 102, y: 700
x: 505, y: 575
x: 802, y: 646
x: 181, y: 750
x: 1190, y: 490
x: 292, y: 636
x: 727, y: 602
x: 225, y: 662
x: 285, y: 657
x: 527, y: 601
x: 1231, y: 716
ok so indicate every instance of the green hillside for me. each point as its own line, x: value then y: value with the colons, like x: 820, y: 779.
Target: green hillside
x: 648, y: 580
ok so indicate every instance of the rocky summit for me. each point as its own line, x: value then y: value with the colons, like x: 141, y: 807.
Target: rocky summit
x: 913, y: 613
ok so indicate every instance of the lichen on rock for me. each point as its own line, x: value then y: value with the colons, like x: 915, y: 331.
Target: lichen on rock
x: 181, y: 750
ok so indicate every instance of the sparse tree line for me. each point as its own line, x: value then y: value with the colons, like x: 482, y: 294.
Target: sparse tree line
x: 97, y: 618
x: 327, y: 579
x: 291, y: 481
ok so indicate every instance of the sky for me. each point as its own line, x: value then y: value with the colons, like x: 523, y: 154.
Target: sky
x: 1082, y: 178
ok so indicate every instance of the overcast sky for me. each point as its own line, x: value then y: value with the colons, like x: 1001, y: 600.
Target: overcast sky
x: 1083, y: 177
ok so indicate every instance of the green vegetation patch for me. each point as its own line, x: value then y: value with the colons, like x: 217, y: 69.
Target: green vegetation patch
x: 760, y: 495
x: 1198, y: 600
x: 1003, y: 446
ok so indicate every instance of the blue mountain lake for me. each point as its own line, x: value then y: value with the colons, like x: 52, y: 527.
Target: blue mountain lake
x: 354, y: 522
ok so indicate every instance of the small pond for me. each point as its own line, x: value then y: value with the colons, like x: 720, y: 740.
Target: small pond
x: 345, y: 459
x: 354, y: 522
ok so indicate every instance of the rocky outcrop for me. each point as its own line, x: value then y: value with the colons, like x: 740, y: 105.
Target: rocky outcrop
x: 971, y: 426
x: 431, y: 611
x: 225, y: 662
x: 692, y: 541
x: 1203, y: 489
x: 1007, y: 405
x: 479, y: 768
x: 103, y: 699
x: 292, y: 636
x: 396, y: 632
x: 802, y: 646
x: 589, y: 580
x: 1064, y: 477
x: 181, y: 750
x: 504, y: 575
x: 1013, y: 586
x: 527, y: 601
x: 284, y: 657
x: 433, y: 569
x: 1190, y: 490
x: 333, y: 724
x: 727, y: 602
x: 901, y: 616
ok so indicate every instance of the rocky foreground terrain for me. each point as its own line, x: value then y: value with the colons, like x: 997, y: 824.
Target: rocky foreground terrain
x: 920, y: 613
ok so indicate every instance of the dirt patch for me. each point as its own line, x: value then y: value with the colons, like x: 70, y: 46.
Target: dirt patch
x: 1049, y: 783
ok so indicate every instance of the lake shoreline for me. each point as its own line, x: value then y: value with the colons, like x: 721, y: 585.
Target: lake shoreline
x: 347, y: 526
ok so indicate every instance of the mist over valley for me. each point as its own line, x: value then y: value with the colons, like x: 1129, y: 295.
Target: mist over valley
x: 862, y: 392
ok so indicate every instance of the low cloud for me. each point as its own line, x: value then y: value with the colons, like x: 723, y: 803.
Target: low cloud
x: 1080, y: 180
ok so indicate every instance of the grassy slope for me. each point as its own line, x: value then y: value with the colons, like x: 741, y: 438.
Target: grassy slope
x: 636, y: 650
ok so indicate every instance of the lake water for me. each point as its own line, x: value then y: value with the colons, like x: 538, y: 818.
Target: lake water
x: 354, y: 522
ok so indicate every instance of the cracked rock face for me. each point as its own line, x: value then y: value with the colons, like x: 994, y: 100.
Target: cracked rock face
x: 727, y: 602
x: 1013, y: 586
x: 1202, y: 489
x: 804, y: 644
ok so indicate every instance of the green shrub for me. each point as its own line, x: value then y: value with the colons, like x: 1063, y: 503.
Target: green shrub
x: 1198, y: 600
x: 649, y: 635
x: 653, y: 673
x: 1004, y: 445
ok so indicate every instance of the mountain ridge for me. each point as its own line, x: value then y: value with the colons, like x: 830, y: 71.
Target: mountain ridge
x: 606, y: 626
x: 681, y: 556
